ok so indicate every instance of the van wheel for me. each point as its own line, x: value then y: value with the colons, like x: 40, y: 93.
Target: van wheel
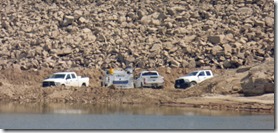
x: 192, y: 83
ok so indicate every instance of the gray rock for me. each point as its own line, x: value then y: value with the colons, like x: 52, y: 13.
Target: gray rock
x: 216, y: 39
x: 269, y: 21
x: 68, y: 20
x: 216, y: 49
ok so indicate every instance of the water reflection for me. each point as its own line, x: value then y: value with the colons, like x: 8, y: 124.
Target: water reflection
x: 61, y: 108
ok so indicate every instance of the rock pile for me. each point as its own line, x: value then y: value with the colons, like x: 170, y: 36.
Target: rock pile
x: 89, y: 33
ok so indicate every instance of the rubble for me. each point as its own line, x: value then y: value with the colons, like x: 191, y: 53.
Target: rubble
x: 151, y: 31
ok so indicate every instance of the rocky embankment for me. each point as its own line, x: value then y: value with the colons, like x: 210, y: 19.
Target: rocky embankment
x: 62, y: 34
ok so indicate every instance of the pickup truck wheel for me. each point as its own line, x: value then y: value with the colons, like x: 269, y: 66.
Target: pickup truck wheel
x: 141, y: 86
x: 63, y: 86
x: 193, y: 83
x: 83, y: 85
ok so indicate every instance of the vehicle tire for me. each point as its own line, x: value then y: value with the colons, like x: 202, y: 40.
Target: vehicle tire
x: 83, y: 85
x: 141, y: 86
x: 63, y: 86
x: 101, y: 84
x: 134, y: 86
x: 192, y: 83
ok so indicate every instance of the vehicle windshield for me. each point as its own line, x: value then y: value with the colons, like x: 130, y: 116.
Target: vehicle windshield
x: 150, y: 74
x: 192, y: 74
x: 58, y: 76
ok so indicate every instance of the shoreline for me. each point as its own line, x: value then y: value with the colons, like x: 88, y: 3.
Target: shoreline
x: 256, y: 104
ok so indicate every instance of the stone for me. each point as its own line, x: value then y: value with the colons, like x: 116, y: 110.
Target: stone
x: 260, y: 23
x: 216, y: 39
x: 245, y: 10
x: 216, y: 49
x: 121, y: 19
x: 168, y: 70
x: 269, y: 21
x: 64, y: 51
x: 155, y: 22
x: 82, y: 20
x: 191, y: 63
x: 189, y: 39
x: 68, y: 20
x: 156, y: 47
x: 77, y: 13
x: 227, y: 49
x: 145, y: 20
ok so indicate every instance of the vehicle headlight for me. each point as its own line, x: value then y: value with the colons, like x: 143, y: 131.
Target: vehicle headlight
x: 57, y: 83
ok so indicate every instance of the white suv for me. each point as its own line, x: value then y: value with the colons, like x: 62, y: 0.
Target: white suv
x: 193, y: 78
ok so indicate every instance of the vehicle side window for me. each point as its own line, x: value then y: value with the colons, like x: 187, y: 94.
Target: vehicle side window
x: 208, y: 73
x: 202, y: 73
x: 73, y: 76
x: 68, y: 76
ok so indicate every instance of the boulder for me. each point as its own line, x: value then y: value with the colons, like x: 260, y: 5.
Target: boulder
x: 64, y: 51
x: 216, y: 49
x: 227, y: 49
x: 216, y: 39
x: 77, y: 13
x: 82, y: 20
x: 156, y: 48
x: 260, y: 80
x: 245, y: 10
x: 67, y: 20
x: 145, y: 20
x: 269, y: 21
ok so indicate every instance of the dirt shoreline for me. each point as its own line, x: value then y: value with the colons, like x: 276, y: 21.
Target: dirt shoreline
x: 181, y: 98
x: 223, y: 92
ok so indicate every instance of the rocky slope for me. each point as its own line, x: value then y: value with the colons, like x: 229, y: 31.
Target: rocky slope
x: 62, y: 34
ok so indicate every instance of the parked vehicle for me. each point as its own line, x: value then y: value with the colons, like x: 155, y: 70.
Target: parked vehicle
x: 118, y: 78
x: 149, y: 79
x: 65, y: 79
x: 193, y: 78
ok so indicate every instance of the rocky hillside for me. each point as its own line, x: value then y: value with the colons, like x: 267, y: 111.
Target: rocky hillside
x: 36, y: 34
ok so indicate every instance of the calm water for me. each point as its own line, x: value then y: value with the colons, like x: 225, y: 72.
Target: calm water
x: 80, y: 116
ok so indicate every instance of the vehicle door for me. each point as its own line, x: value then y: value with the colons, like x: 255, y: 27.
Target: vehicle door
x: 201, y: 76
x: 209, y: 74
x: 137, y: 81
x: 74, y: 80
x: 68, y: 80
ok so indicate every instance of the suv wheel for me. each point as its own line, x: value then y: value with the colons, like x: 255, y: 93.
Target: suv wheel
x: 192, y: 83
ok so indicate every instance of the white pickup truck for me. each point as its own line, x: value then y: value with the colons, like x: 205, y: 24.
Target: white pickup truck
x: 149, y: 79
x: 65, y: 79
x: 193, y: 78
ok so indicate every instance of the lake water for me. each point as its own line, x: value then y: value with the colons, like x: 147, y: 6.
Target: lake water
x: 85, y: 116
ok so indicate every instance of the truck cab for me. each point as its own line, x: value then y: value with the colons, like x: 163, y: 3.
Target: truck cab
x: 193, y: 78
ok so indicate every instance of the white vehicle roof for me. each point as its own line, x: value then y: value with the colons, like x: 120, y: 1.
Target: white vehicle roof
x: 148, y: 71
x: 65, y: 73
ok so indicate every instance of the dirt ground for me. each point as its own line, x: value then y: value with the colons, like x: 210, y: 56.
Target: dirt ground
x: 25, y: 86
